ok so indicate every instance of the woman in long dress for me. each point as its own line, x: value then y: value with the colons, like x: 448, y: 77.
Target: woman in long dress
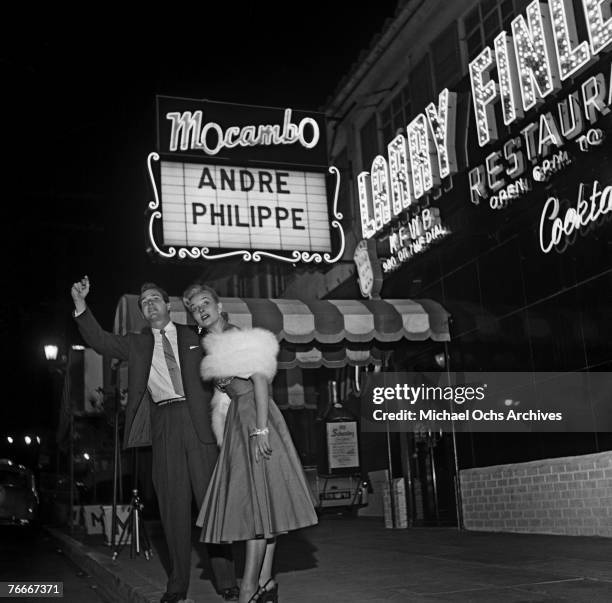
x: 258, y: 489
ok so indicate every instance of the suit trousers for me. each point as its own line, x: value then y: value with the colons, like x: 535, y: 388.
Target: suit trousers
x: 182, y: 466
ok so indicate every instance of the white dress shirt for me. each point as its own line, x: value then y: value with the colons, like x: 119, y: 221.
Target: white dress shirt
x: 160, y: 384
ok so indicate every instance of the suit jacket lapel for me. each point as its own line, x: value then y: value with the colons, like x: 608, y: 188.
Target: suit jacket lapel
x: 180, y: 344
x: 147, y: 356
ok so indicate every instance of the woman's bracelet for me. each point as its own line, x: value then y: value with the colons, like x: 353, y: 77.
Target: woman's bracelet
x: 256, y: 432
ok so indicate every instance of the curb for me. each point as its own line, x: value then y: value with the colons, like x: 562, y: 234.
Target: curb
x: 116, y: 582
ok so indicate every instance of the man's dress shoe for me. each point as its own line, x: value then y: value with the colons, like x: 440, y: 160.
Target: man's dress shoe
x: 172, y: 597
x: 230, y: 594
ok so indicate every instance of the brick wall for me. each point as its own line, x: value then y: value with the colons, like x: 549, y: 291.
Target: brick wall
x: 570, y: 495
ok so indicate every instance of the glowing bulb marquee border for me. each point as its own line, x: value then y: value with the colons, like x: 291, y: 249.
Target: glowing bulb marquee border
x: 195, y: 252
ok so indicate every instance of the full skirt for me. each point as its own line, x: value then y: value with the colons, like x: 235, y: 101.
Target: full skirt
x: 249, y: 499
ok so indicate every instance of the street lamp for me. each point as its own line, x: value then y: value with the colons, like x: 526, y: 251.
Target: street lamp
x: 61, y: 364
x: 51, y: 351
x: 440, y: 360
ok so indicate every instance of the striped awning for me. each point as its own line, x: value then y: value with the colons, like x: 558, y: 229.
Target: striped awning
x: 330, y: 333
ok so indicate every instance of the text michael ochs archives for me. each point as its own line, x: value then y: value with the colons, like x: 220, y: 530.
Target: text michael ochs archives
x: 456, y: 394
x: 486, y: 402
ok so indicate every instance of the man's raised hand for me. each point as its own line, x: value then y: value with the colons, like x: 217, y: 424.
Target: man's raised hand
x: 79, y: 292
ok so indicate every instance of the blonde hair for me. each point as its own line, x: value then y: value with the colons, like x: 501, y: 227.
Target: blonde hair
x: 196, y: 288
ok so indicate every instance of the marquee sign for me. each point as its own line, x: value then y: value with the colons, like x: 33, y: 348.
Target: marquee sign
x: 533, y: 62
x: 243, y: 181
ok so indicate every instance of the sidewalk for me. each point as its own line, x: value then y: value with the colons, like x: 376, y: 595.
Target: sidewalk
x: 357, y: 559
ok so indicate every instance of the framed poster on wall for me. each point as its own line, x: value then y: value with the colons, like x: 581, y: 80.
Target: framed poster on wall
x: 342, y: 446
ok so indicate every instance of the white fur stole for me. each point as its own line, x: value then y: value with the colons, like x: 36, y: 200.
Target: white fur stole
x: 236, y: 353
x: 239, y: 353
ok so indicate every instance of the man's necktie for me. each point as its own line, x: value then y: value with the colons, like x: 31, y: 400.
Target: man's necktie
x: 173, y: 367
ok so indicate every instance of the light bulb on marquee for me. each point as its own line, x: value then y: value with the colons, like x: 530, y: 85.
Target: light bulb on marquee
x: 379, y: 177
x: 484, y: 93
x: 539, y: 75
x: 508, y: 85
x: 399, y: 170
x: 571, y: 56
x: 598, y: 16
x: 442, y: 123
x: 421, y: 148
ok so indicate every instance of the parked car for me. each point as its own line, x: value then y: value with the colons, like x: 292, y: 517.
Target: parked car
x: 18, y: 494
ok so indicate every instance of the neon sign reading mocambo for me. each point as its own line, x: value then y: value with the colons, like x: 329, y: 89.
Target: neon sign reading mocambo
x: 189, y: 133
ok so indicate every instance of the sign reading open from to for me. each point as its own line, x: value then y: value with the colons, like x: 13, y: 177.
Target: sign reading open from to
x: 236, y: 180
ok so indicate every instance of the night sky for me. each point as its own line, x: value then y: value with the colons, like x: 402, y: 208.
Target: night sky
x: 78, y: 112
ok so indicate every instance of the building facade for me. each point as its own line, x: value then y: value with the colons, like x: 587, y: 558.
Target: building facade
x: 494, y: 199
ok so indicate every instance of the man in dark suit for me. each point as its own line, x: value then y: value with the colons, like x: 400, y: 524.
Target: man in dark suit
x: 168, y: 408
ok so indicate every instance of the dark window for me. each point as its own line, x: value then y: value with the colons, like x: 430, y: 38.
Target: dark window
x: 488, y: 19
x: 408, y: 107
x: 472, y: 20
x: 397, y: 107
x: 396, y: 114
x: 387, y: 131
x: 368, y: 136
x: 474, y: 44
x: 421, y: 90
x: 446, y: 57
x: 507, y: 14
x: 491, y: 28
x: 487, y: 6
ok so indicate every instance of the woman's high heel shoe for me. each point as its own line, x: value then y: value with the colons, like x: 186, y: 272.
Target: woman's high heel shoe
x: 269, y: 595
x: 256, y: 598
x: 265, y: 595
